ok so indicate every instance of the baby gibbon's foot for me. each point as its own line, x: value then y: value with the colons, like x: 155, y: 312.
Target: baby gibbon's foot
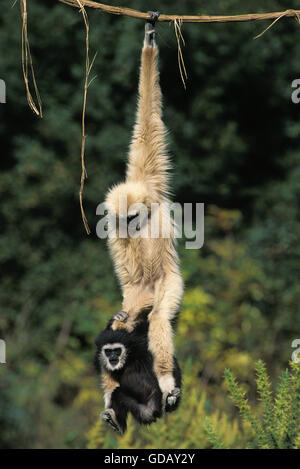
x: 172, y: 399
x: 108, y: 416
x: 121, y: 316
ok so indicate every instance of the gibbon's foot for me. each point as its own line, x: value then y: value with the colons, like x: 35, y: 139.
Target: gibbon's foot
x: 108, y: 416
x: 172, y: 399
x: 121, y: 316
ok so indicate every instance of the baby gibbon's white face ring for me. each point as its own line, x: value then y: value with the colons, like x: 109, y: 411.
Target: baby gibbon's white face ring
x: 113, y: 356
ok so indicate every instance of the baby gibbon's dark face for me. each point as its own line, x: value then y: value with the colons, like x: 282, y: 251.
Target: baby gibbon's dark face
x: 113, y: 356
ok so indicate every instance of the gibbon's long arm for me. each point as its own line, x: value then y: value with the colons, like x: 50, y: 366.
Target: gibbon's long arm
x: 148, y: 160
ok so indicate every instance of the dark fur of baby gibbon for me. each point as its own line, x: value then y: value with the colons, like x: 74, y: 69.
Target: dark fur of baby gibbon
x: 137, y: 390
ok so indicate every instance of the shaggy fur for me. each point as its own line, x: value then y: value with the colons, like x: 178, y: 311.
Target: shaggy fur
x: 148, y: 268
x: 136, y: 387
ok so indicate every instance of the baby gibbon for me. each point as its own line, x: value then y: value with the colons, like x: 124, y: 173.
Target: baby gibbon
x: 124, y: 356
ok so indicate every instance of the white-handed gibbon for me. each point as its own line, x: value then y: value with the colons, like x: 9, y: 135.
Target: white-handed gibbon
x: 124, y: 356
x: 146, y: 266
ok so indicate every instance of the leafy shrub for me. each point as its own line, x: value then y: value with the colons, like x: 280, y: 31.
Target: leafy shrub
x: 278, y: 426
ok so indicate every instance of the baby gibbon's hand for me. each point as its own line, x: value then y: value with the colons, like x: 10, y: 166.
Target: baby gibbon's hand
x: 121, y: 316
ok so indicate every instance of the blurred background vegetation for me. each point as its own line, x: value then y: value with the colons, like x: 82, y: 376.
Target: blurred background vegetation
x: 234, y: 138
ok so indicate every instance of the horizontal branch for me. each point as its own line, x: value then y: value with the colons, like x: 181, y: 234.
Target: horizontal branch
x: 123, y: 11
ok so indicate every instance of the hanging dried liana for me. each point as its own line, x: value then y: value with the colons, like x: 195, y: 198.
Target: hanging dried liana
x: 88, y: 68
x: 180, y: 39
x: 26, y: 62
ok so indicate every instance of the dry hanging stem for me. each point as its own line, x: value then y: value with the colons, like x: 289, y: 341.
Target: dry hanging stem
x: 88, y: 67
x: 179, y: 38
x: 26, y: 58
x: 285, y: 13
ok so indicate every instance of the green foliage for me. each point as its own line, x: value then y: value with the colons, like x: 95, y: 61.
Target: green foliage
x: 279, y: 426
x: 239, y: 398
x: 211, y: 434
x: 265, y: 395
x: 186, y: 428
x: 273, y: 425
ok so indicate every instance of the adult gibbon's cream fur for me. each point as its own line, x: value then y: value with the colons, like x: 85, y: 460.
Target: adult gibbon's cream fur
x: 148, y: 267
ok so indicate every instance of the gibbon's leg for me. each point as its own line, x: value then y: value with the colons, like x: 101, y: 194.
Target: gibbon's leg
x: 116, y: 416
x: 113, y: 415
x: 143, y: 413
x: 109, y: 385
x: 173, y: 398
x: 160, y: 332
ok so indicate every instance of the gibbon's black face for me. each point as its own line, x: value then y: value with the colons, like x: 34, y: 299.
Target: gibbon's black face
x: 113, y: 356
